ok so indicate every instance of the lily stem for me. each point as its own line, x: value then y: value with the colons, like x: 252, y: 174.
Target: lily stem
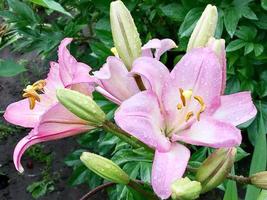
x: 240, y: 179
x: 115, y: 130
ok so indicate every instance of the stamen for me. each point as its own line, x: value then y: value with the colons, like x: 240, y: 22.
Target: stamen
x: 202, y: 106
x: 114, y: 51
x: 188, y: 116
x: 182, y: 96
x: 179, y: 106
x: 31, y: 92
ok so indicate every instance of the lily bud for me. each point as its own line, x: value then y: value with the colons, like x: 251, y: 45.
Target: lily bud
x: 82, y: 106
x: 215, y: 168
x: 104, y: 168
x: 205, y: 28
x: 217, y: 45
x: 259, y: 180
x: 185, y: 189
x: 125, y: 36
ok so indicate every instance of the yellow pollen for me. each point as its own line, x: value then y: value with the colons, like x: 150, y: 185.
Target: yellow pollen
x: 202, y: 106
x: 188, y: 116
x: 31, y: 92
x: 179, y: 106
x: 114, y: 51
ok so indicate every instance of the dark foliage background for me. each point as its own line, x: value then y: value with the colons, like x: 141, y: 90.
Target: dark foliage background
x: 40, y: 25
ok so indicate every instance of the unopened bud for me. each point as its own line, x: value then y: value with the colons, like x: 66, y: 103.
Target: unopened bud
x: 125, y: 36
x: 185, y: 189
x: 215, y: 168
x: 104, y: 168
x: 217, y: 46
x: 82, y: 106
x: 205, y: 28
x: 259, y: 180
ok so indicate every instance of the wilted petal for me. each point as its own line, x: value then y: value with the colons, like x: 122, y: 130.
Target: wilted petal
x: 140, y: 116
x: 167, y: 168
x: 19, y: 113
x: 236, y: 108
x: 161, y: 47
x: 115, y: 80
x: 210, y: 132
x: 153, y: 73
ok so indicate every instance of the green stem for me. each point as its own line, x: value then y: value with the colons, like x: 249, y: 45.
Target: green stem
x: 139, y: 188
x: 115, y: 130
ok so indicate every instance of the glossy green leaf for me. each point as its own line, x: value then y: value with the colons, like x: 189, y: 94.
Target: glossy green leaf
x: 259, y: 157
x: 10, y: 68
x: 235, y: 45
x: 53, y: 5
x: 263, y: 195
x: 231, y: 19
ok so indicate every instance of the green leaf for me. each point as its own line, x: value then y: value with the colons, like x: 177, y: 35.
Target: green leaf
x: 259, y: 156
x: 248, y: 13
x: 263, y: 195
x: 231, y: 190
x: 264, y: 4
x: 246, y: 33
x: 258, y: 49
x: 189, y: 22
x: 248, y: 48
x: 9, y: 68
x: 173, y: 11
x: 231, y: 19
x: 53, y: 5
x: 235, y: 45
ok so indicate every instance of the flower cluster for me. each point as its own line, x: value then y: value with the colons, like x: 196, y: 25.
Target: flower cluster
x: 166, y: 110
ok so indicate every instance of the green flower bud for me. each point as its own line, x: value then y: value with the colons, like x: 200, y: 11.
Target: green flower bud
x: 217, y: 45
x: 205, y: 28
x: 215, y: 168
x: 82, y: 106
x: 259, y: 180
x: 185, y: 189
x: 125, y: 36
x: 104, y: 168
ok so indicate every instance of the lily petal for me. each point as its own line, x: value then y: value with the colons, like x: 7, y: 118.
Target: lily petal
x: 71, y: 71
x: 167, y: 168
x: 153, y: 72
x: 19, y: 113
x: 236, y: 108
x: 140, y: 116
x: 211, y: 133
x: 58, y: 120
x: 161, y: 47
x: 200, y: 71
x: 115, y: 80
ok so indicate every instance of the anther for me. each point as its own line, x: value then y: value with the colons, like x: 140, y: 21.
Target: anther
x: 182, y: 96
x: 188, y: 116
x: 202, y: 106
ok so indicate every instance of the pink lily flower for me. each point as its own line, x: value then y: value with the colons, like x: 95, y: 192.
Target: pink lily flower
x: 48, y: 119
x: 114, y: 80
x: 185, y: 105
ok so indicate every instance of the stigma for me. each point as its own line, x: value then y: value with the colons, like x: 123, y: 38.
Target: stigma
x: 32, y: 92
